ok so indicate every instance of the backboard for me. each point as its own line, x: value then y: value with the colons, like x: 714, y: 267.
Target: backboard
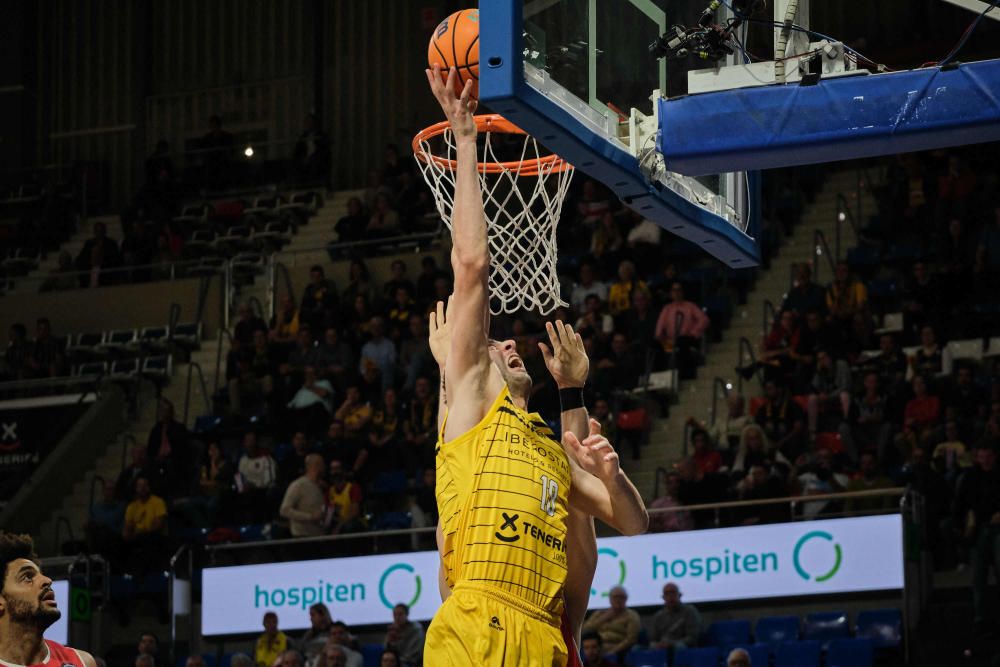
x: 579, y: 76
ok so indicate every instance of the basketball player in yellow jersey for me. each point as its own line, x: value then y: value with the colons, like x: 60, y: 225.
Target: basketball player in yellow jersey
x: 504, y: 484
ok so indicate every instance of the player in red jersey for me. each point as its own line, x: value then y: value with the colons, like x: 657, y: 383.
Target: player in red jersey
x: 27, y: 609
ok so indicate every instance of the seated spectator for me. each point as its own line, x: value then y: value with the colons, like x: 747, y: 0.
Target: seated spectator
x: 343, y: 501
x: 253, y: 380
x: 778, y: 351
x: 246, y: 324
x: 271, y: 644
x: 593, y: 319
x: 889, y: 364
x: 285, y: 323
x: 699, y: 488
x: 921, y: 299
x: 47, y: 358
x: 341, y: 636
x: 370, y: 381
x: 725, y: 431
x: 216, y: 483
x: 142, y: 660
x: 335, y: 359
x: 706, y: 457
x: 313, y: 640
x: 869, y: 478
x: 144, y: 530
x: 738, y: 657
x: 977, y: 510
x: 867, y: 426
x: 398, y: 313
x: 643, y: 240
x: 332, y: 656
x: 593, y: 204
x: 415, y: 353
x: 168, y: 452
x: 382, y: 351
x: 420, y: 427
x: 920, y: 417
x: 304, y: 504
x: 291, y: 658
x: 755, y: 449
x: 62, y: 277
x: 351, y: 227
x: 952, y: 452
x: 354, y: 414
x: 429, y: 275
x: 680, y: 327
x: 406, y: 637
x: 312, y: 405
x: 258, y: 474
x: 619, y: 367
x: 384, y: 220
x: 359, y: 320
x: 926, y: 360
x: 389, y: 658
x: 241, y: 660
x: 668, y: 522
x: 18, y: 353
x: 105, y: 523
x: 677, y: 625
x: 620, y: 292
x: 618, y: 626
x: 782, y: 420
x: 762, y: 484
x: 293, y: 464
x: 194, y: 661
x: 592, y: 650
x: 964, y: 399
x: 397, y: 279
x: 846, y: 297
x: 805, y: 295
x: 816, y: 476
x: 829, y: 393
x: 585, y: 286
x: 311, y: 156
x: 319, y: 300
x: 98, y: 253
x: 606, y: 241
x: 138, y: 467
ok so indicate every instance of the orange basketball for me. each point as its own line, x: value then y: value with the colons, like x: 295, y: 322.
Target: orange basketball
x: 455, y: 43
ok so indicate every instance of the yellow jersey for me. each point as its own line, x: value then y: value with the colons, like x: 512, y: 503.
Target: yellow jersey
x: 502, y: 493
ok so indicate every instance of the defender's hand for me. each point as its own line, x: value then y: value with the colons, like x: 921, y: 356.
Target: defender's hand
x: 458, y: 109
x: 595, y: 454
x: 440, y: 334
x: 567, y: 361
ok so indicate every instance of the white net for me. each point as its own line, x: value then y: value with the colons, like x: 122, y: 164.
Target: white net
x: 523, y: 192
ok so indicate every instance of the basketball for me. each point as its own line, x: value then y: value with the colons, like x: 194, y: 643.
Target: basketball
x: 455, y: 43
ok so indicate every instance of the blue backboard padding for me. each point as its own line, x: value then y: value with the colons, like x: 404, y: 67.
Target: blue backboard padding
x: 502, y: 87
x: 837, y: 119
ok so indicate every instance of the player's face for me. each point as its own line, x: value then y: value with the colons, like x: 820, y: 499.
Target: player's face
x: 504, y: 355
x: 27, y: 596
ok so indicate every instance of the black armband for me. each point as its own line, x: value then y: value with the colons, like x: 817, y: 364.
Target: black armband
x: 571, y: 398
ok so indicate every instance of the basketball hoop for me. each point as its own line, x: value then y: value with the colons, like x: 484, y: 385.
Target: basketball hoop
x: 522, y: 205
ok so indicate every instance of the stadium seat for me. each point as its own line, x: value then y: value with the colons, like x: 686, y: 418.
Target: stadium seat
x: 92, y: 368
x: 797, y: 654
x: 697, y: 657
x: 777, y: 629
x: 760, y: 654
x: 124, y: 369
x: 86, y: 346
x: 120, y: 341
x: 884, y: 626
x: 727, y: 633
x: 826, y: 625
x: 389, y: 482
x: 157, y: 369
x: 154, y: 339
x: 187, y: 335
x: 647, y: 657
x: 371, y: 655
x: 393, y: 521
x: 850, y: 653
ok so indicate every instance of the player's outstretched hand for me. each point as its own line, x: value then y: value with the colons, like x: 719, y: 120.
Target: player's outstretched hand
x: 458, y: 108
x: 567, y: 361
x: 440, y: 333
x: 595, y: 454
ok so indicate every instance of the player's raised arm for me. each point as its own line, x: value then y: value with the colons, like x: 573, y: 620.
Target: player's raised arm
x: 468, y: 363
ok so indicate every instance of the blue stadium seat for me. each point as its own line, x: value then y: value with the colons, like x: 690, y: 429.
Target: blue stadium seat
x: 647, y: 657
x: 697, y: 657
x: 826, y: 625
x: 371, y: 654
x: 760, y: 654
x: 884, y: 626
x: 727, y: 633
x: 777, y: 629
x: 850, y: 653
x: 797, y: 654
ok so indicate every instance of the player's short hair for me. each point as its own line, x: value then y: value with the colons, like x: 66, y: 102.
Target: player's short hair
x: 14, y: 547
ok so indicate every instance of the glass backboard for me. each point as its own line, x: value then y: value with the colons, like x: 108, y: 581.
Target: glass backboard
x: 580, y: 77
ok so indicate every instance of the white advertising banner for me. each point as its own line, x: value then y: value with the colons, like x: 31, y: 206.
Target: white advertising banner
x: 59, y: 631
x: 777, y: 560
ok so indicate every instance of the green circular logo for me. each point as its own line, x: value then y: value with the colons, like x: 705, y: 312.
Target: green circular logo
x: 385, y: 576
x: 838, y: 556
x: 621, y: 569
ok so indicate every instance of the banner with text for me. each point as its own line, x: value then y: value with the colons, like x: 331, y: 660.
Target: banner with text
x: 777, y: 560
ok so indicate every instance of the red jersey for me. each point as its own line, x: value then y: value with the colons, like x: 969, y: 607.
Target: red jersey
x: 571, y: 648
x: 59, y: 656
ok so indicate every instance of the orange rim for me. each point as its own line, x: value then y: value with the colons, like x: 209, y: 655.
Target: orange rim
x: 489, y: 123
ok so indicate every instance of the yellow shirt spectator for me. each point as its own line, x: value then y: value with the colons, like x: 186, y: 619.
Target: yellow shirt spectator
x: 146, y: 516
x: 268, y: 649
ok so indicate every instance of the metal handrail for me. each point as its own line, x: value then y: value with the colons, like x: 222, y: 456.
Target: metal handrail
x: 320, y: 539
x: 195, y: 366
x: 686, y: 439
x: 223, y: 332
x: 844, y: 213
x: 173, y: 268
x: 256, y: 306
x: 127, y: 439
x: 60, y: 522
x: 745, y: 346
x: 388, y: 240
x: 821, y: 247
x: 660, y: 471
x: 896, y: 491
x: 770, y: 315
x: 726, y: 386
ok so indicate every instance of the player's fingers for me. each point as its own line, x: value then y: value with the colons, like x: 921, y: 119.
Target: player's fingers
x: 561, y: 332
x: 595, y: 427
x: 579, y: 344
x: 553, y: 338
x: 452, y: 79
x: 568, y: 335
x: 432, y: 321
x: 447, y: 308
x: 466, y: 95
x: 573, y: 441
x: 613, y: 456
x: 546, y: 354
x: 473, y: 105
x: 434, y: 78
x: 441, y: 316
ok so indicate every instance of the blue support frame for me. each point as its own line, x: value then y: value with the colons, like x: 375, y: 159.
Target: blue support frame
x: 503, y: 88
x: 837, y: 119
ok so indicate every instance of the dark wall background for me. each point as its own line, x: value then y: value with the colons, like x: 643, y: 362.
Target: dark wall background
x: 103, y: 80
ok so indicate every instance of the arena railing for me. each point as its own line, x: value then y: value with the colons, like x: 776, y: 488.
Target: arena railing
x: 822, y: 249
x: 123, y: 275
